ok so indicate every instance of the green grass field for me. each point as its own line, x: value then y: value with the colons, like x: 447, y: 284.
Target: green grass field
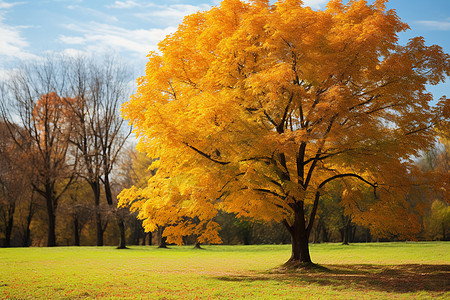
x: 358, y: 271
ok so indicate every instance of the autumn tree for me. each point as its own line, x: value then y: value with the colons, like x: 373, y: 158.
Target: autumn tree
x: 436, y: 163
x: 34, y: 104
x: 17, y: 201
x: 15, y: 188
x: 85, y: 139
x: 256, y: 108
x: 99, y: 134
x: 26, y: 210
x: 134, y: 169
x: 76, y: 206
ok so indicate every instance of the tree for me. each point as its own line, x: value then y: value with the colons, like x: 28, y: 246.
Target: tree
x: 111, y: 90
x: 12, y: 184
x: 26, y: 210
x: 437, y: 163
x: 439, y: 221
x: 99, y: 132
x: 255, y: 108
x: 17, y: 203
x: 77, y: 208
x: 135, y: 170
x: 34, y: 104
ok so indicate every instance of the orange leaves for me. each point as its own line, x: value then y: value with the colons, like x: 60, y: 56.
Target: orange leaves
x: 250, y: 106
x: 429, y: 61
x: 52, y: 108
x: 52, y: 118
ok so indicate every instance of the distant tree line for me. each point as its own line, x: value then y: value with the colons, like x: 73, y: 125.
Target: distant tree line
x: 62, y: 132
x: 65, y: 155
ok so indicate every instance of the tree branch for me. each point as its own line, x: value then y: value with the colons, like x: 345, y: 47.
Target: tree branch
x: 208, y: 156
x: 321, y: 185
x: 271, y: 193
x: 270, y: 119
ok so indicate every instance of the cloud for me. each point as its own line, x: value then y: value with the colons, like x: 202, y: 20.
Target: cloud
x: 72, y: 40
x: 436, y: 25
x: 12, y: 44
x: 70, y: 52
x: 315, y: 4
x: 6, y: 5
x: 103, y: 37
x: 5, y: 74
x: 176, y: 11
x: 121, y: 4
x: 95, y: 13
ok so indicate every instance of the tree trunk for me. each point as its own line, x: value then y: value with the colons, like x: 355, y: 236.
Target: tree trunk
x: 162, y: 239
x: 99, y: 227
x: 347, y: 230
x: 300, y: 247
x: 122, y: 242
x: 144, y: 236
x: 317, y: 231
x: 51, y: 241
x: 444, y: 237
x: 27, y: 235
x: 150, y: 235
x: 345, y: 235
x: 325, y: 238
x: 368, y: 235
x: 120, y: 222
x: 8, y: 232
x: 353, y: 233
x: 76, y: 231
x: 9, y: 224
x: 299, y: 238
x: 95, y: 186
x: 136, y: 233
x: 26, y: 239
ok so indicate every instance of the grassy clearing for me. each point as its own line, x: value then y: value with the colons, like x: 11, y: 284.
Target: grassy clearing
x: 358, y: 271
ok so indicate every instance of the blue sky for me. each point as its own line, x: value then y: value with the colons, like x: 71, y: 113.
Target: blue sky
x: 132, y: 28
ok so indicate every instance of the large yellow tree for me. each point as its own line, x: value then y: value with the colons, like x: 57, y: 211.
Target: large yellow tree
x: 254, y: 108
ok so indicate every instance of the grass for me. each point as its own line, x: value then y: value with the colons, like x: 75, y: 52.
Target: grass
x: 358, y: 271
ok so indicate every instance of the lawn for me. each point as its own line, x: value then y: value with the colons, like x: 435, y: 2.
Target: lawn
x: 358, y: 271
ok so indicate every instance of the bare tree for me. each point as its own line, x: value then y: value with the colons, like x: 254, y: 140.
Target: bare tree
x: 16, y: 200
x: 84, y: 136
x: 100, y: 87
x: 32, y: 102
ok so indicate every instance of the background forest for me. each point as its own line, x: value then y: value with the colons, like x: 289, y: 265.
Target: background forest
x: 65, y: 154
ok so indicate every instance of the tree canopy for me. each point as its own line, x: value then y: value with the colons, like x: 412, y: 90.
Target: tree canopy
x: 254, y: 108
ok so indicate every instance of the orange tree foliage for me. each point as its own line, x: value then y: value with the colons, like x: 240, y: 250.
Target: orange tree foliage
x: 49, y: 130
x: 253, y: 108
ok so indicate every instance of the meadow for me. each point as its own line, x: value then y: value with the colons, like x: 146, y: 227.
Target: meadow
x: 358, y: 271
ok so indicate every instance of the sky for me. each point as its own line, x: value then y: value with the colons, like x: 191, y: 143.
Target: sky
x: 130, y: 29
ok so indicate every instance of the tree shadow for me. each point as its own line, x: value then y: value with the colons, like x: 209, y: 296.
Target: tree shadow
x: 393, y: 279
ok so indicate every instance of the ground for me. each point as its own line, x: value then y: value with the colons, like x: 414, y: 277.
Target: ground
x: 358, y: 271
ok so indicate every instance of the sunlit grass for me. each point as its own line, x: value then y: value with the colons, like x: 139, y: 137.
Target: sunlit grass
x: 365, y: 271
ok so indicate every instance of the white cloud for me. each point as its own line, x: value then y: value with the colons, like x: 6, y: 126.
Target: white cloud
x: 72, y: 40
x: 12, y: 44
x: 103, y: 37
x: 70, y: 52
x: 121, y: 4
x: 6, y: 5
x: 436, y: 25
x: 99, y: 15
x: 176, y: 11
x: 5, y: 74
x: 315, y: 4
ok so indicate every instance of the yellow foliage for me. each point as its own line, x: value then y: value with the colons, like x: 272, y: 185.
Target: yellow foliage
x: 250, y: 107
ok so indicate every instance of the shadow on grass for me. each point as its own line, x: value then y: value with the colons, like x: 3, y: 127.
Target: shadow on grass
x: 394, y: 279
